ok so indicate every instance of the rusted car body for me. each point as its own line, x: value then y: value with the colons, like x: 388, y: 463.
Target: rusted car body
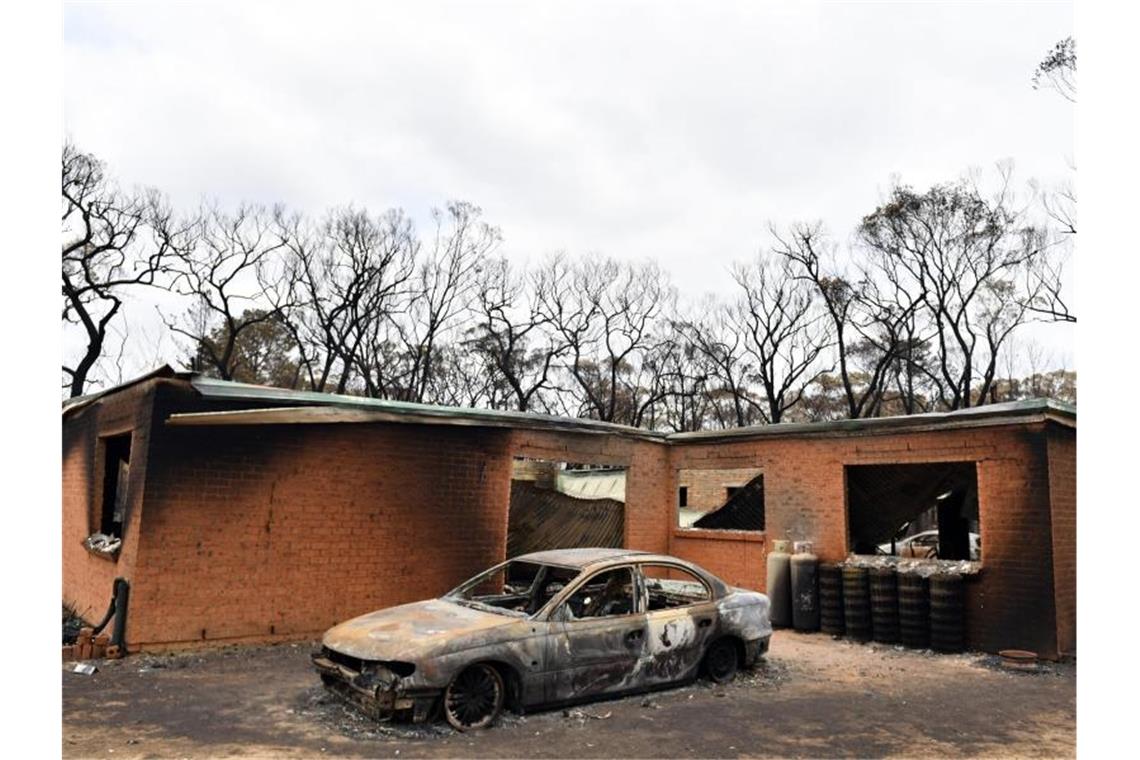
x: 546, y: 629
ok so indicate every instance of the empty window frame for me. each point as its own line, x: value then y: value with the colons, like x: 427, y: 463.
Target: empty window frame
x: 116, y: 471
x: 927, y: 510
x: 709, y: 504
x: 720, y: 499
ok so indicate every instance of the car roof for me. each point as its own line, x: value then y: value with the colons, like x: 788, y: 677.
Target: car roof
x: 579, y: 558
x: 587, y: 559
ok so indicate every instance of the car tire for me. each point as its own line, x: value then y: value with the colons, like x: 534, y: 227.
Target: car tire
x: 721, y: 661
x: 474, y: 698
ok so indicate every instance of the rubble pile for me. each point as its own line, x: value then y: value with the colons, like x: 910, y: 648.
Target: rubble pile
x: 918, y: 566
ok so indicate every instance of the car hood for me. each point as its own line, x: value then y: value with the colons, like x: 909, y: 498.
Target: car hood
x: 413, y: 630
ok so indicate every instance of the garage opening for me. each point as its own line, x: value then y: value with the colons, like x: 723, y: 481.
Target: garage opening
x: 564, y: 505
x: 914, y: 510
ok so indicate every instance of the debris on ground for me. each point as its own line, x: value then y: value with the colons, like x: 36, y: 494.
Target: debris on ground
x: 83, y: 668
x: 331, y: 712
x: 73, y: 623
x: 582, y: 716
x: 797, y: 702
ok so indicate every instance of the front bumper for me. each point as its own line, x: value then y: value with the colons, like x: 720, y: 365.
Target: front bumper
x: 754, y: 650
x: 378, y: 697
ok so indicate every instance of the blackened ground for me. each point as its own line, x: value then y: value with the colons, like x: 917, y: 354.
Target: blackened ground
x: 811, y: 696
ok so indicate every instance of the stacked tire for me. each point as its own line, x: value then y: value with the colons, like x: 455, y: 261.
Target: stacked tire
x: 856, y: 603
x: 884, y: 605
x: 947, y: 613
x: 914, y: 610
x: 831, y: 600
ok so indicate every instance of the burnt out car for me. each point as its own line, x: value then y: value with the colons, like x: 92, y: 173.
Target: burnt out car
x: 546, y: 629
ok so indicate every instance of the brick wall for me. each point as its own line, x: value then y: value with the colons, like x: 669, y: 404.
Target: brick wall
x: 270, y: 532
x: 1010, y: 604
x: 539, y: 471
x: 261, y: 532
x: 88, y: 578
x: 1063, y: 497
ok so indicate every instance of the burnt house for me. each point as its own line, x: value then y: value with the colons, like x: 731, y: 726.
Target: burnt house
x: 243, y: 513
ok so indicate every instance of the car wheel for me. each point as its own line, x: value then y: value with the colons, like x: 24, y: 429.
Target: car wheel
x: 474, y: 698
x: 721, y: 661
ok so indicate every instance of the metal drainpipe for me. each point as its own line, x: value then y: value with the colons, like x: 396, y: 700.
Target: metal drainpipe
x: 122, y: 592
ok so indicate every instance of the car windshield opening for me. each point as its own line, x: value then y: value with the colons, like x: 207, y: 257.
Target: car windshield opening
x: 515, y: 588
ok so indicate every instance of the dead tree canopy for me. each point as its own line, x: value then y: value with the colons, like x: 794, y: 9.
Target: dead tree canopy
x: 113, y: 241
x: 343, y: 275
x: 227, y: 275
x: 785, y: 334
x: 610, y: 316
x: 871, y: 323
x: 914, y: 317
x: 513, y: 338
x: 1058, y: 70
x: 404, y: 352
x: 972, y: 264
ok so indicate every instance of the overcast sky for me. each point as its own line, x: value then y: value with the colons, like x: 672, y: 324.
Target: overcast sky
x: 631, y: 129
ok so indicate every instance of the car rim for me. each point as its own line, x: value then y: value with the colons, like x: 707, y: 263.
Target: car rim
x: 474, y: 697
x: 722, y: 661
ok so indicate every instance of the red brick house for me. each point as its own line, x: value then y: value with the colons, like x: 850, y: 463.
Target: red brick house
x: 251, y: 514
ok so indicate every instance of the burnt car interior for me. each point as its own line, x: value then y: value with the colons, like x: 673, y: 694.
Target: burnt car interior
x: 515, y: 587
x: 608, y: 593
x: 670, y: 587
x: 523, y: 588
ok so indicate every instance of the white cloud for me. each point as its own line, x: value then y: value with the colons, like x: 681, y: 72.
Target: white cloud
x: 635, y: 129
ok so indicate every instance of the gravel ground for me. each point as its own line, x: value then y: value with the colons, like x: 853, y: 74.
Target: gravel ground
x: 812, y: 696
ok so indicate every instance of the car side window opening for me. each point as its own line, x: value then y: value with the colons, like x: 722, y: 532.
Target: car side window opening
x: 668, y: 586
x: 607, y: 594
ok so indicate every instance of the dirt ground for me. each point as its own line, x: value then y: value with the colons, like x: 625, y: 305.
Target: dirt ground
x: 812, y: 696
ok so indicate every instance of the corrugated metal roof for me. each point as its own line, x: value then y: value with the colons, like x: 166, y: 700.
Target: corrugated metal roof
x: 307, y: 407
x: 1006, y: 413
x: 74, y: 404
x: 346, y: 409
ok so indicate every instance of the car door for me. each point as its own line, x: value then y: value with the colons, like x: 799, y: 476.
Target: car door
x: 681, y: 618
x: 598, y: 637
